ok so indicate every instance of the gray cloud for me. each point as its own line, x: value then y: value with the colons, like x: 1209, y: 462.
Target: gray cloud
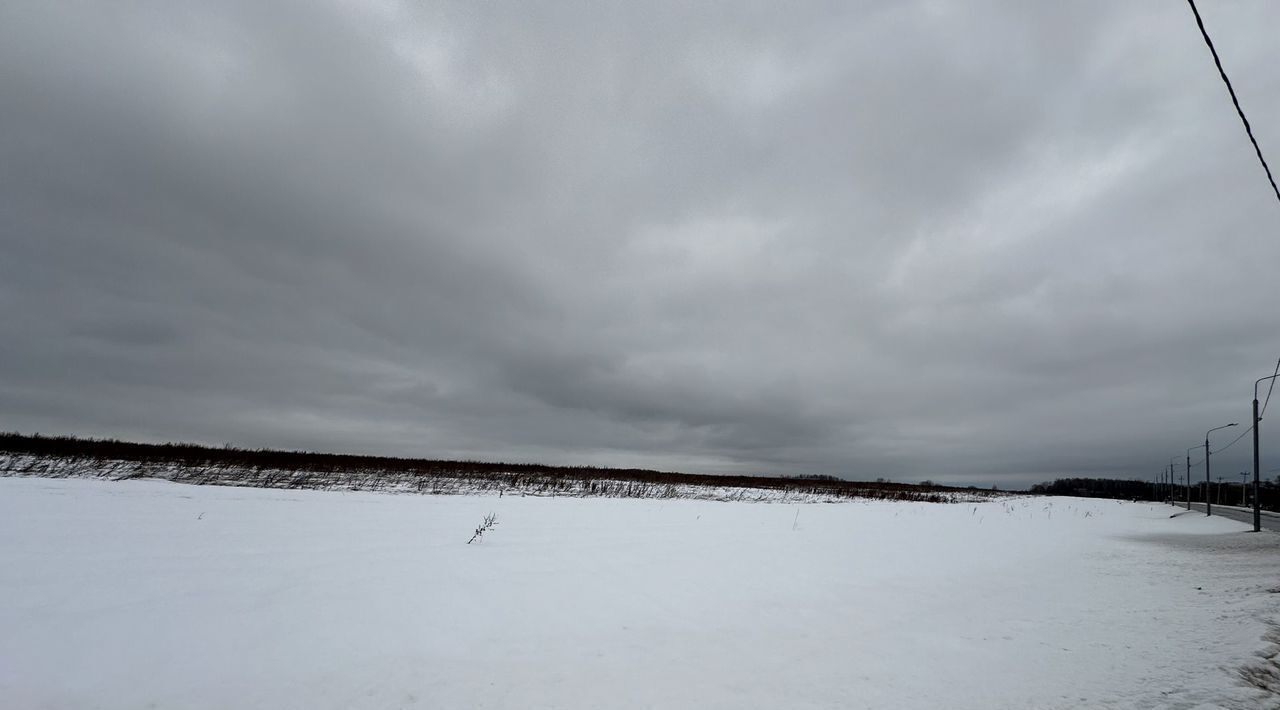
x: 979, y: 242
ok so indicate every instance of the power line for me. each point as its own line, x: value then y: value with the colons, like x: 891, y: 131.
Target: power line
x: 1223, y: 73
x: 1233, y: 441
x: 1245, y: 433
x: 1273, y: 384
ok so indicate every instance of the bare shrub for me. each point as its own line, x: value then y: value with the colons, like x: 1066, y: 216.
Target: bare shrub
x: 490, y: 520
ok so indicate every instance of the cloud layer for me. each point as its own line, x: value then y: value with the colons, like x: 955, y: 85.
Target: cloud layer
x: 979, y: 242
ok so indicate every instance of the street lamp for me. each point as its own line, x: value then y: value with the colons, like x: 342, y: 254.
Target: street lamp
x: 1244, y: 496
x: 1173, y: 489
x: 1189, y: 475
x: 1208, y: 509
x: 1257, y: 503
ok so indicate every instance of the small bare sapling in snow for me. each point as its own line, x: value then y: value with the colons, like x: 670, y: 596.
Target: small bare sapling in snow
x: 489, y: 521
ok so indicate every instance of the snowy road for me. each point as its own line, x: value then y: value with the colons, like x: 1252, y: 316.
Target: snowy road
x: 151, y: 594
x: 1268, y: 520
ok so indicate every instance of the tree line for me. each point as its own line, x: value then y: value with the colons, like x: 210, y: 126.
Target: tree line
x: 1224, y: 492
x: 230, y: 465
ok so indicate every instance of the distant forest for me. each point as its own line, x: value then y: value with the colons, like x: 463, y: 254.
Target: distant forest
x: 64, y: 456
x: 1224, y: 493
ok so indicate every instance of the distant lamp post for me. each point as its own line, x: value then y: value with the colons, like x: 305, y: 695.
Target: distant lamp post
x: 1189, y: 475
x: 1244, y: 495
x: 1173, y: 483
x: 1208, y: 509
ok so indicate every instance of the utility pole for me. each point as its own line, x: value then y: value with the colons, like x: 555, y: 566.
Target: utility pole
x: 1208, y: 510
x: 1257, y: 499
x: 1257, y: 502
x: 1173, y: 481
x: 1189, y: 478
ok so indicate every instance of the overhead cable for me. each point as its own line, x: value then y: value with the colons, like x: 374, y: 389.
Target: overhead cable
x: 1223, y: 73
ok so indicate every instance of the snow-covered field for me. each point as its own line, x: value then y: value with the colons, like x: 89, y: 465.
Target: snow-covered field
x: 148, y: 594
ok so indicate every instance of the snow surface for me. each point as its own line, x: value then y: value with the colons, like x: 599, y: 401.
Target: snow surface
x: 149, y: 594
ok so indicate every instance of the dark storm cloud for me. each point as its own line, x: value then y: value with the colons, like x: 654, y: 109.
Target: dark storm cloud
x: 976, y: 242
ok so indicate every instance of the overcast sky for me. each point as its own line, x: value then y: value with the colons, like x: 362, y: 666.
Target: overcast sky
x: 976, y: 242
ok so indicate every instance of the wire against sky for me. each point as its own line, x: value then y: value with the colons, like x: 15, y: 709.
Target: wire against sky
x: 1269, y: 388
x: 1233, y: 441
x: 1251, y: 426
x: 1223, y: 73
